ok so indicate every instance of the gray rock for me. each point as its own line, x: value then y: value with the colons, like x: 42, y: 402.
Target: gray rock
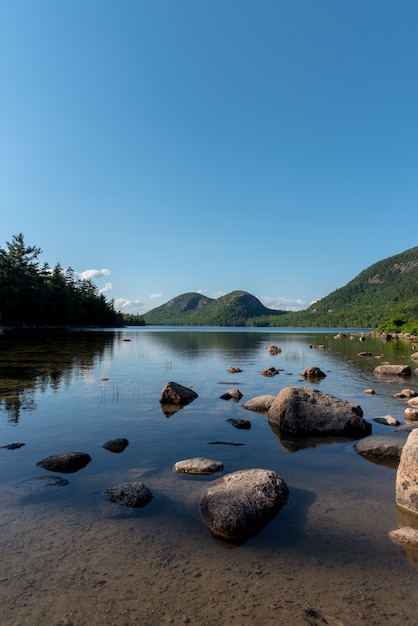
x: 305, y: 411
x: 176, y: 394
x: 393, y: 370
x: 407, y: 474
x: 232, y: 394
x: 312, y: 372
x: 259, y: 404
x: 13, y: 446
x: 198, y: 465
x: 382, y: 449
x: 134, y: 495
x: 240, y: 424
x: 238, y: 505
x: 66, y: 463
x: 116, y: 445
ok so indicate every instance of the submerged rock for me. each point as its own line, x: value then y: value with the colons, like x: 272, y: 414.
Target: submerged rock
x: 240, y: 424
x: 198, y: 465
x: 305, y: 411
x: 116, y: 445
x: 238, y: 505
x: 12, y: 446
x: 382, y: 449
x: 134, y: 495
x: 66, y: 463
x: 388, y: 420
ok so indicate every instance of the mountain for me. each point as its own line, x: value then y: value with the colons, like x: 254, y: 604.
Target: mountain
x: 386, y: 289
x: 238, y: 308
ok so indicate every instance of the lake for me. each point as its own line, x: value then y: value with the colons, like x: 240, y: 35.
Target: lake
x: 71, y: 558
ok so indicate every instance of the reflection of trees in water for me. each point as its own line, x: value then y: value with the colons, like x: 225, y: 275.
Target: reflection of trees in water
x: 32, y: 361
x: 194, y: 344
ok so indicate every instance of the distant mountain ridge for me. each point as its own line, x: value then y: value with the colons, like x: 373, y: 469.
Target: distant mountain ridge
x: 387, y: 288
x: 194, y: 309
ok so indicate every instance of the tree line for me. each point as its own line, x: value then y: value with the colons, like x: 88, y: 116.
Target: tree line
x: 34, y: 295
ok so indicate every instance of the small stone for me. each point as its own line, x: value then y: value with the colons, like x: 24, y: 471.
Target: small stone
x: 232, y: 394
x: 198, y: 465
x: 370, y: 391
x: 239, y: 423
x: 312, y: 372
x: 116, y: 445
x: 234, y: 370
x: 67, y: 463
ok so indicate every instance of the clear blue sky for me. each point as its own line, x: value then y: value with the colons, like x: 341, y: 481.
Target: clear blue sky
x: 210, y: 145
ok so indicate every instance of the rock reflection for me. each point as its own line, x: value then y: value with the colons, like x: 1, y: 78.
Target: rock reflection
x: 293, y: 444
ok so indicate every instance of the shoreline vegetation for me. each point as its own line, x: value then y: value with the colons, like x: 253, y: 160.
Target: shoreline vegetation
x: 383, y: 297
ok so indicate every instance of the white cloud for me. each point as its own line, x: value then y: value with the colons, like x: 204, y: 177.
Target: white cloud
x: 201, y: 291
x: 156, y: 295
x: 128, y: 306
x: 282, y: 303
x: 108, y: 288
x: 92, y: 274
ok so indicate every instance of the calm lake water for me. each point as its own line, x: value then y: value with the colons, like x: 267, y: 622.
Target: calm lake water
x: 69, y: 557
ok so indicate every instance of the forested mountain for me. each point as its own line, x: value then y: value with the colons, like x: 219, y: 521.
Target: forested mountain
x: 31, y: 295
x: 386, y: 289
x: 238, y: 308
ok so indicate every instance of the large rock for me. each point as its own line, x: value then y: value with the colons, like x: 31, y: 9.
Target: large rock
x: 66, y: 463
x: 393, y: 370
x: 407, y: 474
x: 176, y: 394
x: 134, y: 495
x: 238, y: 505
x: 304, y: 411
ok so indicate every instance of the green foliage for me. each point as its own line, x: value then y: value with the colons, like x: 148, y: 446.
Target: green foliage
x: 130, y: 319
x: 34, y: 296
x: 399, y: 325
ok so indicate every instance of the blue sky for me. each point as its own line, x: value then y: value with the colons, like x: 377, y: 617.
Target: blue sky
x: 167, y: 146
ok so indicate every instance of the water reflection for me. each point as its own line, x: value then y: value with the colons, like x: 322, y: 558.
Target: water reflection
x: 31, y: 361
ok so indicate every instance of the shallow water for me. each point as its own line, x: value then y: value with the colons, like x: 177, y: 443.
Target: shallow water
x: 70, y: 557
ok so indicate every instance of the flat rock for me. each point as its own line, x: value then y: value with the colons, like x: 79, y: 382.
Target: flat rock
x: 304, y: 411
x: 382, y: 449
x: 116, y: 445
x: 393, y: 370
x: 198, y: 465
x: 66, y: 463
x: 238, y: 505
x: 12, y: 446
x: 240, y: 424
x: 388, y: 420
x: 176, y: 394
x: 134, y: 495
x: 260, y: 404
